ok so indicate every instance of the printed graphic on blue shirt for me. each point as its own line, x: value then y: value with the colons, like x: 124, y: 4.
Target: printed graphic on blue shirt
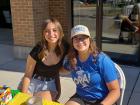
x: 81, y: 78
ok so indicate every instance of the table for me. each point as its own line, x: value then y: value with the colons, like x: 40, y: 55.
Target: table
x: 21, y: 99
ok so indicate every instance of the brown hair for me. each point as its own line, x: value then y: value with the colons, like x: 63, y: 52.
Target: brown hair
x: 73, y: 52
x: 44, y: 43
x: 135, y: 9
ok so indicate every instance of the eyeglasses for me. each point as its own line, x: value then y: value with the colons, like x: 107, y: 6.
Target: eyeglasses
x: 80, y: 38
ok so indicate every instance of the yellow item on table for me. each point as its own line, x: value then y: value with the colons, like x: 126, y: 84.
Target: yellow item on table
x: 22, y: 98
x: 19, y: 99
x: 45, y: 102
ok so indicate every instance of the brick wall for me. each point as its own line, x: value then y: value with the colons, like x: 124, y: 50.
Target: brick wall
x: 22, y: 20
x: 61, y: 9
x: 27, y: 18
x: 41, y: 12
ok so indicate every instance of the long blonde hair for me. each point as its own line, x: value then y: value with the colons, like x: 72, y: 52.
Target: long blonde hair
x: 44, y: 43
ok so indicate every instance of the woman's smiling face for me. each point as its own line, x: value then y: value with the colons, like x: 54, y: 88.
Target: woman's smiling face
x: 81, y: 43
x: 51, y: 33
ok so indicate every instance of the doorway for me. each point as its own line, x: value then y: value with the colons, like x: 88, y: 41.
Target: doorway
x: 6, y: 35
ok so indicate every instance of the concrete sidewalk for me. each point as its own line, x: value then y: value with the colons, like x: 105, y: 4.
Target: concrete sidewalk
x: 12, y: 70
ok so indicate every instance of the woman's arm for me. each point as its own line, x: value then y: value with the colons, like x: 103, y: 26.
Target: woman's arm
x: 114, y: 93
x: 30, y: 65
x: 63, y: 71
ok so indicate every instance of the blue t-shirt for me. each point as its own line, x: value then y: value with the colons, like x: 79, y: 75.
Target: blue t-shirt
x: 91, y: 76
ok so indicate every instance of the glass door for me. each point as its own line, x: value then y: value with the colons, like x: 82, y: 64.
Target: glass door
x: 84, y: 12
x: 121, y: 44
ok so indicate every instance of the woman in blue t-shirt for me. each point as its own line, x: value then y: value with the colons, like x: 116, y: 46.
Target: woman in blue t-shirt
x: 92, y: 71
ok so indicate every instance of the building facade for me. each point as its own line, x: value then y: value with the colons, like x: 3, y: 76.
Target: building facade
x: 27, y: 19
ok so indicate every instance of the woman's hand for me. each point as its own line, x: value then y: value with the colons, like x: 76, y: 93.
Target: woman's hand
x: 28, y: 74
x: 114, y: 93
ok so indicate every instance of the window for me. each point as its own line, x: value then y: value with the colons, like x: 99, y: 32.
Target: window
x: 126, y: 51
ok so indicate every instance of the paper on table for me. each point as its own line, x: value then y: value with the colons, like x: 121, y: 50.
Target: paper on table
x: 21, y: 99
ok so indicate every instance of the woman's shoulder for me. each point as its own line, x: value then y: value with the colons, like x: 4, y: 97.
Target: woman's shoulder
x: 35, y: 50
x: 104, y: 57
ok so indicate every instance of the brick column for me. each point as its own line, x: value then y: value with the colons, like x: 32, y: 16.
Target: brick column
x: 61, y: 9
x: 27, y: 18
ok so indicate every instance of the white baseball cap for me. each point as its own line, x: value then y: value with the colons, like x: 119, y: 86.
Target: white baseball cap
x: 79, y: 30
